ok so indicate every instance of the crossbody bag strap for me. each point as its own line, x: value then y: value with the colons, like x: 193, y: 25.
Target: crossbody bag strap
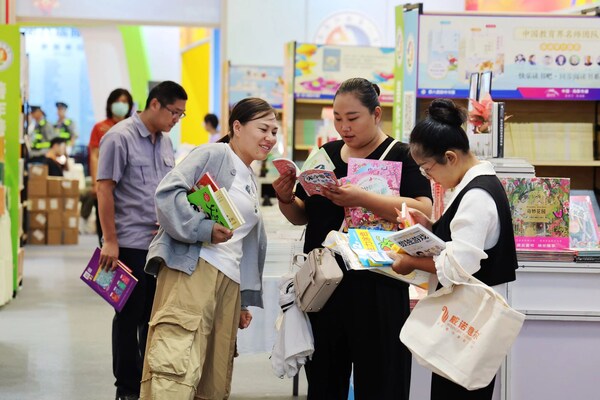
x: 387, y: 150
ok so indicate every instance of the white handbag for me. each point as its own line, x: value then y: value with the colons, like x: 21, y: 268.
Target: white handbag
x: 462, y: 332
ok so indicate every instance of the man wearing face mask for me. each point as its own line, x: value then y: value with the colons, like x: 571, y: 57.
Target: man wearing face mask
x: 118, y: 107
x: 135, y: 155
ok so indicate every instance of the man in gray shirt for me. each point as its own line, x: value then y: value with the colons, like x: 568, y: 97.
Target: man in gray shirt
x: 134, y: 157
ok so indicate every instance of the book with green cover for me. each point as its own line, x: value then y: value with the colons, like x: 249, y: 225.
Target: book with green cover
x: 228, y: 208
x: 204, y: 198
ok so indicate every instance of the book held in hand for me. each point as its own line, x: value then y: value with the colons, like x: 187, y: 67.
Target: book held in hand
x: 316, y: 172
x: 370, y: 247
x: 113, y: 286
x: 217, y: 204
x: 418, y: 241
x: 376, y: 176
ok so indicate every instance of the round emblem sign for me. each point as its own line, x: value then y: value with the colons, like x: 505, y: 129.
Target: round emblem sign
x: 348, y: 28
x: 6, y: 56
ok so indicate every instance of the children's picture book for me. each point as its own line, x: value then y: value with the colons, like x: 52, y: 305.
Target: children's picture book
x: 217, y: 206
x: 316, y: 172
x: 113, y: 286
x: 540, y: 212
x: 583, y: 227
x: 418, y: 241
x: 370, y: 247
x: 376, y: 176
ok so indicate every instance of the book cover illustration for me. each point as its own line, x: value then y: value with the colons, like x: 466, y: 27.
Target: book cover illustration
x: 370, y: 247
x: 204, y: 199
x: 113, y: 286
x: 583, y: 227
x: 376, y: 176
x: 316, y: 171
x: 418, y: 241
x: 540, y: 212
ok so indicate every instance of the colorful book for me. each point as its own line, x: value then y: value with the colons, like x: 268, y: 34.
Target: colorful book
x: 418, y: 241
x: 583, y: 227
x: 217, y: 204
x: 540, y: 212
x: 113, y: 286
x: 377, y: 176
x: 316, y: 172
x: 370, y: 247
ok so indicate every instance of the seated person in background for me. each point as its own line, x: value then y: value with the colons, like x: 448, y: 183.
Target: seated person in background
x: 56, y: 157
x: 211, y: 122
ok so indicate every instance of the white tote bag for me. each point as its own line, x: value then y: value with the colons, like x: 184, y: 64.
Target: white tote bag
x: 462, y: 332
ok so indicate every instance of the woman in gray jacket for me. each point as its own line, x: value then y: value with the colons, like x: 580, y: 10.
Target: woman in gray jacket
x: 207, y: 274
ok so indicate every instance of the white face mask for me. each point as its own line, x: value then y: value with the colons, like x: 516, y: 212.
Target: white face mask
x: 119, y: 109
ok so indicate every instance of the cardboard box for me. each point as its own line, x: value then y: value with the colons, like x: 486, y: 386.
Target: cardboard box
x: 36, y: 236
x: 70, y: 220
x: 54, y: 186
x: 38, y: 204
x: 70, y: 204
x: 55, y: 204
x: 38, y: 172
x: 54, y: 236
x: 37, y: 188
x: 55, y: 220
x: 37, y: 220
x: 70, y: 236
x: 70, y: 188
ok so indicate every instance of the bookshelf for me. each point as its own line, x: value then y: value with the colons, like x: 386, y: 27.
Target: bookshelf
x: 584, y: 174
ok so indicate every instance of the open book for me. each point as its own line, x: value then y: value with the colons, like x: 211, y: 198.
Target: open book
x: 215, y: 202
x: 113, y: 286
x: 418, y: 241
x: 316, y: 172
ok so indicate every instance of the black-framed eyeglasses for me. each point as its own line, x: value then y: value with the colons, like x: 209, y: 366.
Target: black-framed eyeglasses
x: 174, y: 114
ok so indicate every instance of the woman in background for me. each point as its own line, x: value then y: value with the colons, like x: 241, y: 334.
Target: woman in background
x: 118, y: 107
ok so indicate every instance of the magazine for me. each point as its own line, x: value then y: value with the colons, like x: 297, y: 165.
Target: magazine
x: 113, y: 286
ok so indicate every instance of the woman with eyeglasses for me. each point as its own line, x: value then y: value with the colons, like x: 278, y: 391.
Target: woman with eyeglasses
x: 476, y: 223
x: 359, y: 326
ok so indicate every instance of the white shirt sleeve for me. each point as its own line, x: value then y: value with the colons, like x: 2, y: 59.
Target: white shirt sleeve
x: 474, y: 228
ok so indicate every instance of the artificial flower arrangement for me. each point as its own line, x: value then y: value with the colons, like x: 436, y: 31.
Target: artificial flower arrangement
x: 480, y: 116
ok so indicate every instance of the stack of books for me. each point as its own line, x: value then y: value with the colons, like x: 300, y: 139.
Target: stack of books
x: 215, y: 202
x: 512, y: 168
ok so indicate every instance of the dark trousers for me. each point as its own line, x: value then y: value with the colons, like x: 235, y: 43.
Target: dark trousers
x: 130, y: 326
x: 359, y: 328
x: 444, y: 389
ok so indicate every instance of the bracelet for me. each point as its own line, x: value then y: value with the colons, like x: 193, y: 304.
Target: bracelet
x: 286, y: 202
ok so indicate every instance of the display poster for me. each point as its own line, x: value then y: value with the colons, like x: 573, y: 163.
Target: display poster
x: 320, y: 70
x: 398, y: 75
x: 538, y: 58
x: 251, y: 81
x: 10, y: 112
x: 409, y: 102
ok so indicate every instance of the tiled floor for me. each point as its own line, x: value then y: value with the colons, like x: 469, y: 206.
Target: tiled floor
x: 55, y: 335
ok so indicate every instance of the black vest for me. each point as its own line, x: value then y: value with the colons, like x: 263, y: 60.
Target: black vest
x: 501, y: 263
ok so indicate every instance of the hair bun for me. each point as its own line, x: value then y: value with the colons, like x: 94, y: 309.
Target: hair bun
x: 377, y: 90
x: 446, y: 112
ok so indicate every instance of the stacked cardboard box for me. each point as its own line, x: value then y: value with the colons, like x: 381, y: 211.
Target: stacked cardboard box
x: 54, y: 208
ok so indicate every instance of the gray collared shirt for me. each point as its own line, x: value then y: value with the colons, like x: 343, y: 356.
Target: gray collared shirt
x: 130, y: 159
